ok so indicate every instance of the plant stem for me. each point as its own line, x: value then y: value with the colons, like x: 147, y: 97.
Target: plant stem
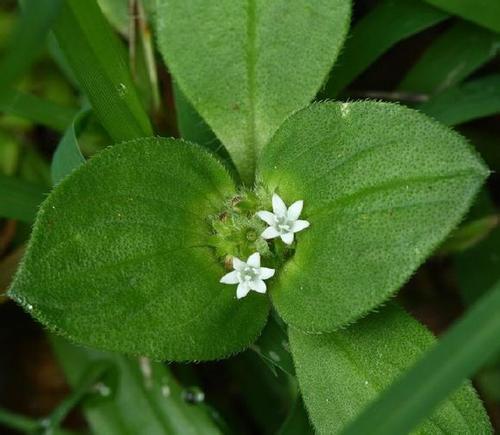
x: 18, y: 422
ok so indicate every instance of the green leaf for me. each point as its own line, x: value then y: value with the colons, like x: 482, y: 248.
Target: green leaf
x: 98, y: 60
x: 342, y: 372
x: 382, y: 185
x: 246, y: 65
x: 452, y: 57
x: 19, y: 199
x: 68, y: 155
x: 27, y: 39
x: 471, y: 100
x: 121, y: 259
x: 486, y: 13
x: 35, y: 109
x: 458, y: 355
x: 146, y: 399
x: 375, y: 33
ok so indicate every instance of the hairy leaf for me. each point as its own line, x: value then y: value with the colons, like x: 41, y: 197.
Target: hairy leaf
x: 483, y: 12
x: 451, y: 58
x: 342, y: 372
x: 382, y: 185
x: 119, y: 258
x: 375, y: 33
x: 458, y: 355
x: 98, y: 60
x: 246, y: 65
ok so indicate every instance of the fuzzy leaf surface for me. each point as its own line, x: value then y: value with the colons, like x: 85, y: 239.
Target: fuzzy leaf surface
x: 382, y: 185
x: 119, y: 257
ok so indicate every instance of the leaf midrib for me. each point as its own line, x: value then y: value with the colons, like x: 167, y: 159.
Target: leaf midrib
x: 251, y: 60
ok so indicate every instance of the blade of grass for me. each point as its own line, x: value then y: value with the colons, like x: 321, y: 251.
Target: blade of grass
x: 451, y: 58
x: 486, y: 13
x: 98, y: 60
x: 35, y: 109
x: 19, y: 199
x: 471, y: 100
x: 389, y: 22
x: 28, y: 39
x: 458, y: 355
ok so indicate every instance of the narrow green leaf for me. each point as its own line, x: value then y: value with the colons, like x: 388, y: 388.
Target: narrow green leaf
x: 27, y: 39
x: 388, y: 23
x: 19, y: 199
x: 68, y: 155
x: 121, y: 258
x: 486, y: 13
x: 146, y: 398
x: 341, y: 373
x: 246, y: 65
x: 452, y: 57
x: 458, y: 355
x: 382, y: 186
x: 474, y: 99
x: 98, y: 60
x: 35, y: 109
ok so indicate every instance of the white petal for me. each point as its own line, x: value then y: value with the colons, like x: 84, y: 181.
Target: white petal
x: 294, y: 210
x: 266, y: 272
x: 270, y: 233
x: 279, y: 207
x: 238, y: 264
x: 300, y: 225
x: 287, y: 238
x: 266, y: 216
x: 242, y: 290
x: 258, y: 285
x: 230, y: 278
x: 254, y: 260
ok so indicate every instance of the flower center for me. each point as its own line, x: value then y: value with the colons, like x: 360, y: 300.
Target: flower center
x: 282, y: 224
x: 249, y: 274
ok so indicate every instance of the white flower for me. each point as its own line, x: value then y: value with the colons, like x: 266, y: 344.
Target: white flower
x: 248, y: 275
x: 283, y: 222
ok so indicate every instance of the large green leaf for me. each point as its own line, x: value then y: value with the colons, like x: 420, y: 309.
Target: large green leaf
x: 119, y: 257
x: 389, y: 22
x: 483, y: 12
x: 458, y: 355
x: 382, y: 185
x: 342, y: 372
x: 99, y: 62
x: 246, y: 65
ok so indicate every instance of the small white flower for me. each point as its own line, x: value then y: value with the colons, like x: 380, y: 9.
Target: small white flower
x: 283, y: 222
x: 248, y: 275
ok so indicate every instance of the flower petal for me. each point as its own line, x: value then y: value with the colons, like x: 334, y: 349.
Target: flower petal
x: 242, y: 290
x: 258, y: 285
x: 270, y: 233
x: 238, y: 264
x: 294, y: 210
x: 279, y: 207
x: 230, y: 278
x: 266, y: 272
x: 287, y: 238
x: 300, y: 225
x: 266, y: 216
x: 254, y: 260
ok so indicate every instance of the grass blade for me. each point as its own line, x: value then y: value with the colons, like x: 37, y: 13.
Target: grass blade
x: 438, y: 373
x: 19, y: 199
x: 98, y: 60
x: 375, y: 33
x: 471, y: 100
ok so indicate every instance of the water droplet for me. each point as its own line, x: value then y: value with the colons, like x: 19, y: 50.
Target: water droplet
x: 122, y: 90
x: 193, y: 395
x: 102, y: 389
x: 366, y: 382
x: 165, y: 390
x: 147, y: 370
x: 29, y: 307
x: 274, y: 356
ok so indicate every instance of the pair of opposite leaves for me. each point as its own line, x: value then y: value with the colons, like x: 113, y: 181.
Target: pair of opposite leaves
x: 120, y: 257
